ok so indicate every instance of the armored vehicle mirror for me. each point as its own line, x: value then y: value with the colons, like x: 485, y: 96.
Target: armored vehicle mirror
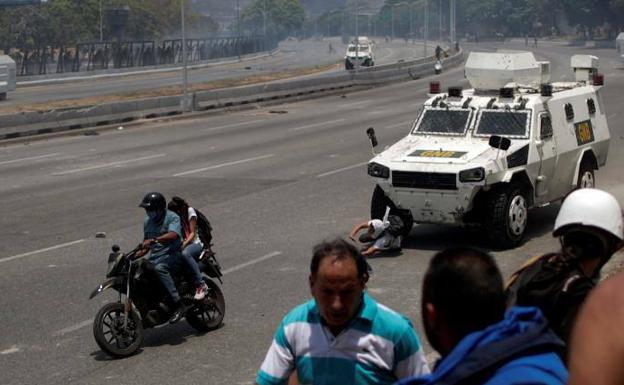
x: 499, y: 142
x: 371, y: 136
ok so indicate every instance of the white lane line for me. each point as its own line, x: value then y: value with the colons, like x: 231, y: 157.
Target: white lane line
x: 612, y: 116
x: 234, y: 125
x: 252, y: 262
x: 12, y: 349
x: 224, y: 165
x: 347, y: 105
x: 73, y: 328
x: 341, y: 170
x: 317, y: 124
x: 6, y: 259
x: 399, y: 124
x: 110, y: 164
x: 88, y: 322
x: 30, y: 158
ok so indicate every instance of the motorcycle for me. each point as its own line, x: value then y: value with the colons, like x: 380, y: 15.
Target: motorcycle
x: 119, y: 326
x: 437, y: 67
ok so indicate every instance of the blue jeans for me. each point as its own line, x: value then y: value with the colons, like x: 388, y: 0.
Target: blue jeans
x: 189, y: 255
x: 164, y: 266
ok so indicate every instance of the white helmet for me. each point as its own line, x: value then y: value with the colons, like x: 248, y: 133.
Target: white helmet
x: 591, y: 207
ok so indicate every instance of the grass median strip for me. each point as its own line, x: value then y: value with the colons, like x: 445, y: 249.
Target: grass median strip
x: 165, y: 91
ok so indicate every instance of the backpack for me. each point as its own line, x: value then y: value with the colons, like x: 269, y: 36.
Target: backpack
x: 546, y: 282
x: 396, y: 225
x: 204, y: 229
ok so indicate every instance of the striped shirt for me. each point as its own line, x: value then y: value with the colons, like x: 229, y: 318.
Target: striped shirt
x: 379, y: 347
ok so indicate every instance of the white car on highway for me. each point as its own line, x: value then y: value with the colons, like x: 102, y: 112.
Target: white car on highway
x: 359, y: 53
x: 484, y: 156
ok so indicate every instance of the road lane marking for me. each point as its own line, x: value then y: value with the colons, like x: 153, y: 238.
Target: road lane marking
x: 6, y: 259
x: 224, y: 165
x: 317, y: 124
x: 110, y: 164
x: 252, y: 262
x: 234, y: 125
x: 341, y: 170
x: 88, y: 322
x: 399, y: 124
x: 30, y: 158
x: 612, y: 116
x: 73, y: 328
x: 347, y: 105
x: 12, y: 349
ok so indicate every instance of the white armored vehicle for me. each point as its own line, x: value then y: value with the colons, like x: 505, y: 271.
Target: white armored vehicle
x: 485, y: 156
x: 7, y: 76
x: 359, y: 53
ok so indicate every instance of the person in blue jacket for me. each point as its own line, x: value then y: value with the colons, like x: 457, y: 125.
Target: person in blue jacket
x: 463, y: 310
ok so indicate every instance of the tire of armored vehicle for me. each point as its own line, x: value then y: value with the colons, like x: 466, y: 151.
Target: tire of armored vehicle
x: 507, y: 207
x: 348, y: 65
x: 380, y: 201
x: 586, y: 177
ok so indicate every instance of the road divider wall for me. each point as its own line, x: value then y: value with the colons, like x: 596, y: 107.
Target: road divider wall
x: 44, y: 122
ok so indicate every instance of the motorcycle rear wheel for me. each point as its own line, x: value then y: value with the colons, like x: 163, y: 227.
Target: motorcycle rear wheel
x: 110, y: 335
x: 208, y: 315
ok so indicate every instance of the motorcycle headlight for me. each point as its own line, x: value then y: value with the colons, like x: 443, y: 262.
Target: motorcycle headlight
x: 378, y: 171
x: 472, y: 175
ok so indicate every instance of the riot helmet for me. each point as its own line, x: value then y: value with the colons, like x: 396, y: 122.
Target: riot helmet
x: 589, y: 224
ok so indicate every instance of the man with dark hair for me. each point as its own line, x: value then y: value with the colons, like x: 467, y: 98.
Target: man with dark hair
x: 463, y: 310
x: 342, y: 336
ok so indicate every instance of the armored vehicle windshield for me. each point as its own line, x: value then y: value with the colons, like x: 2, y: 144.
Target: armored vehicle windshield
x: 443, y: 121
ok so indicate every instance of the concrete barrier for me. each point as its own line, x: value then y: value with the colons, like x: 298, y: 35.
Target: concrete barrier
x: 43, y: 122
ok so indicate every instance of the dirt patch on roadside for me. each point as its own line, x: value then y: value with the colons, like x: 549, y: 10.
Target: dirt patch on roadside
x: 165, y: 91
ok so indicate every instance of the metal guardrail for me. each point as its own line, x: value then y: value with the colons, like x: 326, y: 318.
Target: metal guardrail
x: 44, y: 122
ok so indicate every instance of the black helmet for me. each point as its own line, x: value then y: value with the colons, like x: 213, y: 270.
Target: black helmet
x: 153, y: 201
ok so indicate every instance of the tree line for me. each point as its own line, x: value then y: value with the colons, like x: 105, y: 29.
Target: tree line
x: 406, y: 18
x: 68, y: 22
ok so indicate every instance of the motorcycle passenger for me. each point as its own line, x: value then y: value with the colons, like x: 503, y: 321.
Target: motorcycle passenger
x: 192, y: 246
x: 162, y: 233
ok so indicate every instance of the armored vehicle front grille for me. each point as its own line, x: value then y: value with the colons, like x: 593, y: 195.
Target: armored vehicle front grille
x: 425, y: 180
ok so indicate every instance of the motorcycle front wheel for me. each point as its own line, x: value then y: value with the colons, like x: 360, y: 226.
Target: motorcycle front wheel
x: 208, y: 314
x: 110, y: 334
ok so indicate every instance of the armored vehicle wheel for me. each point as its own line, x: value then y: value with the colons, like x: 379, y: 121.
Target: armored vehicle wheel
x: 586, y: 176
x: 110, y: 334
x: 506, y: 216
x: 380, y: 201
x: 348, y: 65
x: 3, y: 95
x: 208, y: 315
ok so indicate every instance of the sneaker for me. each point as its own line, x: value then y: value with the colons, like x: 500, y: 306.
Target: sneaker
x: 200, y: 292
x: 178, y: 314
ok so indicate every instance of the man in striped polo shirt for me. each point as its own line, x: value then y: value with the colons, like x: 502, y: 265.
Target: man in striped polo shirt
x: 342, y: 336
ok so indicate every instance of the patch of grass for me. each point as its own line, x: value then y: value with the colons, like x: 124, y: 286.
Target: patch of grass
x: 165, y: 91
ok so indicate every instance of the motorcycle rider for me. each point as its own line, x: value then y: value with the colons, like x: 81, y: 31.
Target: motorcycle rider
x: 162, y: 238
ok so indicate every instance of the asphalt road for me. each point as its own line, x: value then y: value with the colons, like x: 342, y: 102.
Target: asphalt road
x: 292, y: 54
x: 274, y: 181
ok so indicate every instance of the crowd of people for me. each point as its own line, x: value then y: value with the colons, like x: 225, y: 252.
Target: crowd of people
x: 548, y: 325
x: 537, y: 329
